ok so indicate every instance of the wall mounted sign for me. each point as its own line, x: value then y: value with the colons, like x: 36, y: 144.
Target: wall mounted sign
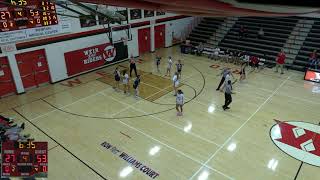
x: 93, y: 57
x: 135, y: 14
x: 148, y: 13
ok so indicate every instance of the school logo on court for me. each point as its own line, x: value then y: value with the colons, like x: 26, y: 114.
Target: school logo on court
x: 109, y: 53
x: 300, y: 140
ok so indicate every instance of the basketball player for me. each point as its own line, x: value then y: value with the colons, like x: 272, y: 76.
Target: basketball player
x: 116, y: 74
x: 179, y: 68
x: 125, y: 80
x: 133, y: 66
x: 169, y: 66
x: 175, y: 80
x: 243, y: 71
x: 227, y: 95
x: 179, y: 102
x: 158, y: 58
x: 136, y: 84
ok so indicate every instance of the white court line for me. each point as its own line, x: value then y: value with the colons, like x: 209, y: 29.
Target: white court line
x: 81, y: 99
x: 198, y: 102
x: 173, y: 125
x: 267, y: 100
x: 128, y: 105
x: 69, y: 104
x: 174, y: 149
x: 281, y: 94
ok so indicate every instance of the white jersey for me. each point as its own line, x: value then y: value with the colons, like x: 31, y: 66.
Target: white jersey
x: 175, y: 81
x: 125, y: 79
x: 227, y: 78
x: 216, y: 51
x: 170, y: 63
x: 180, y: 99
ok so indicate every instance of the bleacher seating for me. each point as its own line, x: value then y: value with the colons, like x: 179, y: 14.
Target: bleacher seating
x: 311, y: 43
x: 206, y: 29
x: 276, y: 33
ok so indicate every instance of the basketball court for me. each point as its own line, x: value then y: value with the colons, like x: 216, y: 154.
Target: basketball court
x: 95, y: 132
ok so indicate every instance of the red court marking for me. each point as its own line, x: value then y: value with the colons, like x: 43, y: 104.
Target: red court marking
x: 125, y: 135
x: 289, y: 138
x: 237, y: 71
x: 215, y: 66
x: 72, y: 82
x: 101, y: 73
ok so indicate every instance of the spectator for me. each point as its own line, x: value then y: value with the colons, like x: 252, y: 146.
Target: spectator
x: 242, y: 32
x: 262, y: 61
x: 313, y: 60
x: 215, y: 53
x: 254, y: 62
x: 280, y: 61
x: 260, y: 33
x: 199, y: 49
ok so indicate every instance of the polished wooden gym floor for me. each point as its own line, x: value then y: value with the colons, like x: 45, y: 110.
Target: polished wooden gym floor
x: 92, y: 129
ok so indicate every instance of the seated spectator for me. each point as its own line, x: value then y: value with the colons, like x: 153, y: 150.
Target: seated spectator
x: 262, y: 62
x: 314, y: 62
x: 199, y: 49
x: 260, y: 33
x: 215, y: 53
x: 254, y: 62
x: 242, y: 32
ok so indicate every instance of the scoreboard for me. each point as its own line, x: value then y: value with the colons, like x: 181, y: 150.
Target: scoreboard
x: 23, y: 14
x: 24, y: 159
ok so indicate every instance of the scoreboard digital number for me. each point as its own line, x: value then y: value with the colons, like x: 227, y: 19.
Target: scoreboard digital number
x: 24, y: 159
x: 23, y: 14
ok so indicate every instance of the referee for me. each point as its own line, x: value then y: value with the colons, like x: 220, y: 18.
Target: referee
x: 132, y: 63
x: 224, y: 73
x: 227, y: 95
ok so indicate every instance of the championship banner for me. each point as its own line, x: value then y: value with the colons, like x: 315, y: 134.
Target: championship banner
x: 93, y: 57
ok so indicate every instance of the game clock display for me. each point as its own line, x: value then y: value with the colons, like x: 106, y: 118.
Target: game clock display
x: 23, y: 14
x: 24, y: 159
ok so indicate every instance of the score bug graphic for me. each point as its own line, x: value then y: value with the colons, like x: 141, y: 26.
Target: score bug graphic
x: 300, y: 140
x: 24, y: 159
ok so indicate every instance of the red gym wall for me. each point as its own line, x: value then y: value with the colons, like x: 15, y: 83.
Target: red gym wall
x: 33, y: 68
x: 144, y: 40
x: 7, y: 85
x: 159, y: 36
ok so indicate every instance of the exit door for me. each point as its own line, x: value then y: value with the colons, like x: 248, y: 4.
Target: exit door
x: 7, y: 85
x: 159, y: 36
x: 144, y: 40
x: 33, y: 68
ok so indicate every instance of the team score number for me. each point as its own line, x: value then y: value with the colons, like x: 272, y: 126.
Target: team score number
x: 28, y: 145
x: 10, y: 158
x: 8, y: 169
x: 41, y: 158
x: 19, y: 2
x: 5, y: 15
x: 33, y: 12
